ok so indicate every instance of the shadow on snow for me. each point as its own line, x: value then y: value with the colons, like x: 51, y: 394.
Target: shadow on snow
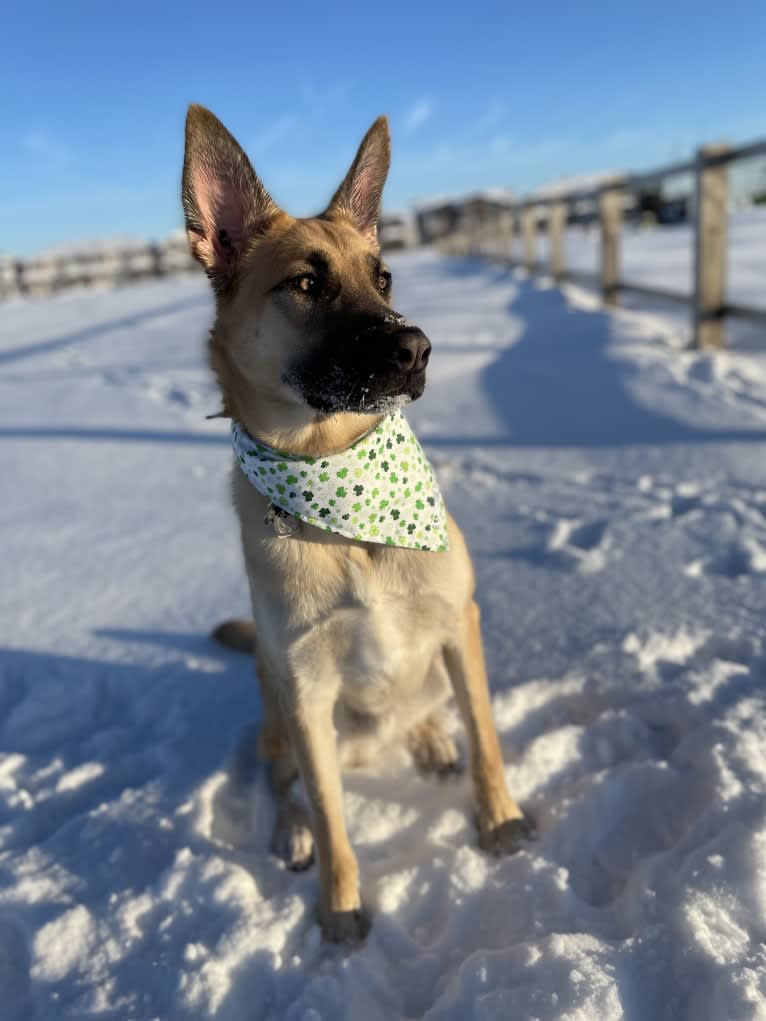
x: 560, y: 384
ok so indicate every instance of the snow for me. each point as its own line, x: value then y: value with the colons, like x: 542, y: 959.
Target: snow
x: 663, y: 257
x: 612, y: 486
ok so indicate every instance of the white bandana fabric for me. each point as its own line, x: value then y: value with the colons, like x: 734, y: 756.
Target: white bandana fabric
x: 381, y: 489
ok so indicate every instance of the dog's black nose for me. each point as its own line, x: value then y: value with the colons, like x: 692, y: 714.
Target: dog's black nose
x: 412, y: 350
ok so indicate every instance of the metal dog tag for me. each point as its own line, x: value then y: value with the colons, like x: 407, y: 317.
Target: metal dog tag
x: 284, y: 524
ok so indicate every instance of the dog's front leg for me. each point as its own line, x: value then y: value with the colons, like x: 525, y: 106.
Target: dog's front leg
x: 312, y: 733
x: 501, y: 822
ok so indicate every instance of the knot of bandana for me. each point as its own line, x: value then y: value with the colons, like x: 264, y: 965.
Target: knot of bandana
x: 381, y: 489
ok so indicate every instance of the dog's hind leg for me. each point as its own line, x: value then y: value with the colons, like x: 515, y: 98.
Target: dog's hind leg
x: 291, y: 839
x: 432, y: 748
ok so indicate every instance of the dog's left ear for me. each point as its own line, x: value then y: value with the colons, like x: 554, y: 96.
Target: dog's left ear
x: 358, y: 198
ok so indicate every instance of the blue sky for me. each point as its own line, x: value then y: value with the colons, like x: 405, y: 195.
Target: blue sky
x: 94, y: 96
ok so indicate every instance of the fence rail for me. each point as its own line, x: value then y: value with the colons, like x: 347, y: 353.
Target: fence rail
x: 107, y: 265
x: 710, y: 169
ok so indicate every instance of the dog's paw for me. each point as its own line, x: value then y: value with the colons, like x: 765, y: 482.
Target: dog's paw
x: 451, y: 770
x: 506, y: 837
x: 433, y: 750
x: 292, y: 840
x: 347, y: 927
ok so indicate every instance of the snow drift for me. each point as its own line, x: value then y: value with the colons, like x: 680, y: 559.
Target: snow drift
x: 612, y: 487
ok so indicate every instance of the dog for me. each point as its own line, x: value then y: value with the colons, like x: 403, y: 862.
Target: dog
x: 358, y: 643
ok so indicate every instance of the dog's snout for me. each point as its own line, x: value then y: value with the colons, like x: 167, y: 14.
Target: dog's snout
x: 412, y: 350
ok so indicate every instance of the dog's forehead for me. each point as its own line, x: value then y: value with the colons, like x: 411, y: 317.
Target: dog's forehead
x: 292, y: 241
x: 337, y: 239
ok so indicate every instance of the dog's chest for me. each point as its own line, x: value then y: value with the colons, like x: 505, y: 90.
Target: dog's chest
x: 369, y: 624
x: 382, y: 622
x: 391, y: 639
x: 367, y: 619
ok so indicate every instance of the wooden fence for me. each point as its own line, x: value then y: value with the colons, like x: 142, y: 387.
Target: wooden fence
x: 709, y: 304
x: 104, y: 265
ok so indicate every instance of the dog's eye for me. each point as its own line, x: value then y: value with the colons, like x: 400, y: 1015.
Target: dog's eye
x: 384, y: 281
x: 306, y: 283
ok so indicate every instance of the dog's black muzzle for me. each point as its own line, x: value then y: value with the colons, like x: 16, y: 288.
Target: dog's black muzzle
x: 363, y: 363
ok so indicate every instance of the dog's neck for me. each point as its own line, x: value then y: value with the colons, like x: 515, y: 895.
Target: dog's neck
x: 327, y: 434
x: 291, y: 428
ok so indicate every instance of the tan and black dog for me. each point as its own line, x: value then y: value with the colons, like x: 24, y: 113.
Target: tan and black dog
x: 358, y: 645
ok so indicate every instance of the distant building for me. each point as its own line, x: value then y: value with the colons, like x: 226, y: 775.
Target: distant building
x: 440, y: 217
x: 436, y: 219
x: 397, y: 230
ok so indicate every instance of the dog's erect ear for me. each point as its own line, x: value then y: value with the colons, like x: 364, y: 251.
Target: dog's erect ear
x: 225, y: 205
x: 358, y: 198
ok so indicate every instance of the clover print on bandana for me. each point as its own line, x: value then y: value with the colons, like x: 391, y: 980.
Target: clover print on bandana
x: 381, y: 489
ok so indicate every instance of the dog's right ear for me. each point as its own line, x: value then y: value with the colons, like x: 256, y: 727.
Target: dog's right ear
x: 359, y: 196
x: 225, y: 204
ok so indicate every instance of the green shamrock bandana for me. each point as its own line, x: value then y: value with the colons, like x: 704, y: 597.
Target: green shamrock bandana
x: 381, y: 489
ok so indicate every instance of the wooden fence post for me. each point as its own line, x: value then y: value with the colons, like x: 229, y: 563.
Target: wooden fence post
x: 510, y: 232
x: 155, y: 255
x: 610, y: 202
x: 513, y: 234
x: 21, y: 280
x: 557, y: 218
x: 529, y: 237
x: 710, y: 236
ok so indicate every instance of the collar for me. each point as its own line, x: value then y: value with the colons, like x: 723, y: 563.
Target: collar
x: 381, y: 489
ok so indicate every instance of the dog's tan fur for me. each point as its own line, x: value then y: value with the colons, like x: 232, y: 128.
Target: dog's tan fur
x: 357, y: 645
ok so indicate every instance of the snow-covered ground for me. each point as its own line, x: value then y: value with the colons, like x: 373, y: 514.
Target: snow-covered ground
x: 612, y: 487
